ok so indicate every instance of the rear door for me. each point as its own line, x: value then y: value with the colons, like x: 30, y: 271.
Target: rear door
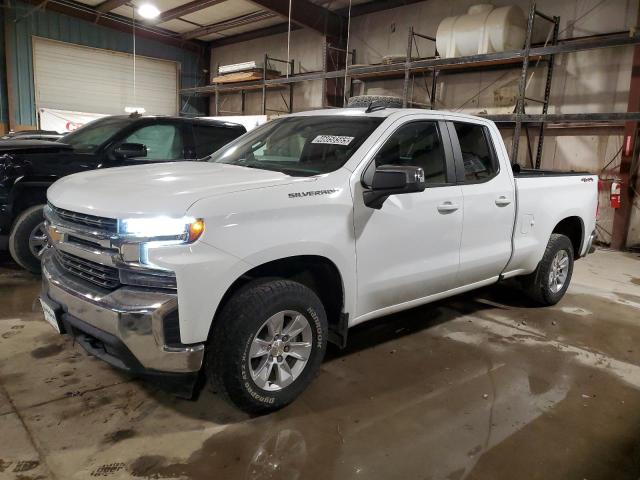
x: 488, y: 203
x: 409, y: 249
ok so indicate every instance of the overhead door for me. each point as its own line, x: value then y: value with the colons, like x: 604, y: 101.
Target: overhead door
x: 93, y: 80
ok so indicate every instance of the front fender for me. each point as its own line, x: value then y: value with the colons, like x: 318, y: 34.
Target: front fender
x: 262, y: 225
x: 203, y: 275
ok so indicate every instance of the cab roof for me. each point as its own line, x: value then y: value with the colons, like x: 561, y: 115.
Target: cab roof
x: 207, y: 121
x: 384, y: 113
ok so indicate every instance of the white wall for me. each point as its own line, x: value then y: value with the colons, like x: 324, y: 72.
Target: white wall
x: 305, y: 49
x: 590, y: 81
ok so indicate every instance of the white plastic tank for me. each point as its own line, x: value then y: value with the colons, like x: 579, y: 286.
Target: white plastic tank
x: 484, y: 29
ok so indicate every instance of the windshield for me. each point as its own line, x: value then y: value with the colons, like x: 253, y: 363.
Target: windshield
x: 88, y: 138
x: 299, y: 146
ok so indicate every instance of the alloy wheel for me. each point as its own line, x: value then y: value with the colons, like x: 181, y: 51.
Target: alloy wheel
x: 280, y: 350
x: 38, y: 240
x: 559, y: 271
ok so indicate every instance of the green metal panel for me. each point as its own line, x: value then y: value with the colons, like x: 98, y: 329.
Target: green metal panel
x: 23, y: 26
x: 3, y: 74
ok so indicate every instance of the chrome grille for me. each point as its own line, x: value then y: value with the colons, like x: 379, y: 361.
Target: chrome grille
x: 93, y: 272
x: 109, y: 225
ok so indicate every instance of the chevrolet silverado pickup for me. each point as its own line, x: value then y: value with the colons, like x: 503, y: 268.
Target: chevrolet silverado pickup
x: 243, y: 265
x: 29, y: 166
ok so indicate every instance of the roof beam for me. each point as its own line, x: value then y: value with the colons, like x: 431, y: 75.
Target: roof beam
x: 186, y: 9
x: 376, y: 6
x: 109, y: 5
x: 356, y: 10
x: 116, y: 22
x: 308, y: 14
x: 253, y: 34
x: 240, y: 21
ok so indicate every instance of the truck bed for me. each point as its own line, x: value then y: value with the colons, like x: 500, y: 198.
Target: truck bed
x: 545, y: 198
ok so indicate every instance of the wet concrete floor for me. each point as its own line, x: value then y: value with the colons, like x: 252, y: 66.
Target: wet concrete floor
x: 481, y: 386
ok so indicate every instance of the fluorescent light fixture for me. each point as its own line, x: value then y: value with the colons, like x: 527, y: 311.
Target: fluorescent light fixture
x: 134, y: 110
x: 148, y: 11
x: 238, y: 67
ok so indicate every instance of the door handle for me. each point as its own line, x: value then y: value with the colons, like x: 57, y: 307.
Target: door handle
x: 448, y: 207
x: 502, y: 201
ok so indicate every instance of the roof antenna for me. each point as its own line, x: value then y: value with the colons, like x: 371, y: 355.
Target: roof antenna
x: 375, y: 108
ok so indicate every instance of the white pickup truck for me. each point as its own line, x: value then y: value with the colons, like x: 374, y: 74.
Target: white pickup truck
x: 245, y: 264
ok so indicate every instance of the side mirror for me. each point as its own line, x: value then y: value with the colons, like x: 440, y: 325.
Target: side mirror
x: 130, y: 150
x: 393, y: 180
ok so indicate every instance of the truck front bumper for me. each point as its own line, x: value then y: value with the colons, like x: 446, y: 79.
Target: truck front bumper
x: 123, y: 327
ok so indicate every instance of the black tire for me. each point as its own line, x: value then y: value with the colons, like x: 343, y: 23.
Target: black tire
x: 228, y: 364
x: 375, y: 100
x: 24, y: 227
x: 537, y: 285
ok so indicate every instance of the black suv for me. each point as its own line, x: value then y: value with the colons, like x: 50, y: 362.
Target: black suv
x: 29, y: 167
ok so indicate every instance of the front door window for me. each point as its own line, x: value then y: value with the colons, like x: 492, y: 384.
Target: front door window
x: 163, y: 141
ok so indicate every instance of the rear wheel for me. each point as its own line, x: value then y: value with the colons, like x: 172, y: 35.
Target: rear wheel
x: 28, y: 238
x: 267, y: 345
x: 550, y: 281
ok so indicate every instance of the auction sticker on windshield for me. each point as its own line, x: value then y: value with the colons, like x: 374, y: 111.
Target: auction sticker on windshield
x: 333, y: 140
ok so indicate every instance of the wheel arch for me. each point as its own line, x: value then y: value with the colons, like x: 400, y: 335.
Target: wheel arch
x: 27, y: 193
x: 573, y: 228
x: 316, y: 272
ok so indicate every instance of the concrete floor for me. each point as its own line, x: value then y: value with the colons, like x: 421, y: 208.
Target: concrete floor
x: 482, y: 386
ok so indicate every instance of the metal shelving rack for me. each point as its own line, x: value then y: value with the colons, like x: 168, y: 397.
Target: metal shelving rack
x: 333, y: 58
x: 436, y: 66
x: 243, y: 87
x: 409, y: 76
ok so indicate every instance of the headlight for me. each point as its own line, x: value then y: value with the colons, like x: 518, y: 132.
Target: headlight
x: 182, y: 230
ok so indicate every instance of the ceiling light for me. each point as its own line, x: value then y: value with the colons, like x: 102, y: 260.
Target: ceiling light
x: 148, y: 11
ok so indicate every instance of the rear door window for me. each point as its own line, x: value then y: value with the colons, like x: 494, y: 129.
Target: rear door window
x: 478, y: 155
x: 210, y: 138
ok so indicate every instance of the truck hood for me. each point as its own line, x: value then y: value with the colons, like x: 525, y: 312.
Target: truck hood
x: 27, y: 146
x: 155, y: 189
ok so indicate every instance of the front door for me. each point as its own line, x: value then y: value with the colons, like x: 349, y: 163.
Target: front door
x: 409, y: 249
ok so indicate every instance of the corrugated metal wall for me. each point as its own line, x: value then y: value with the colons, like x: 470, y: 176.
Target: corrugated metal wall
x: 21, y: 26
x: 3, y: 78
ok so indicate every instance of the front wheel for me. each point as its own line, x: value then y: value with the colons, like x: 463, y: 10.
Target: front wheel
x: 28, y: 238
x: 267, y: 345
x: 550, y: 281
